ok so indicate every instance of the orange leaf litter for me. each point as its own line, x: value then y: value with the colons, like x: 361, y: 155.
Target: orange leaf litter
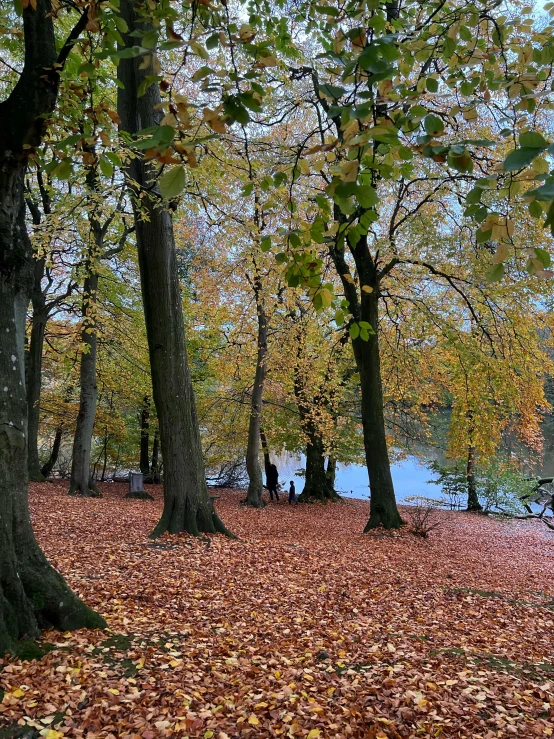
x: 304, y: 627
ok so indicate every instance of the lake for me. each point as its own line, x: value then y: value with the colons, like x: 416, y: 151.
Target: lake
x: 409, y: 476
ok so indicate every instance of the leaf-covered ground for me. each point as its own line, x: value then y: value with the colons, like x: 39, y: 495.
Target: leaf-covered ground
x: 303, y: 627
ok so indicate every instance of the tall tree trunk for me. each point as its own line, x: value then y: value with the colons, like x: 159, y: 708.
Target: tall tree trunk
x: 265, y: 450
x: 81, y: 482
x: 34, y: 369
x: 46, y: 470
x: 255, y: 486
x: 187, y: 505
x: 365, y: 308
x: 383, y: 510
x: 473, y: 503
x: 155, y: 467
x: 31, y: 591
x: 331, y: 470
x: 145, y: 436
x: 318, y: 485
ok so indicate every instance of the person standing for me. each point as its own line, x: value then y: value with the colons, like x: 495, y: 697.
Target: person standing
x: 292, y: 493
x: 272, y: 479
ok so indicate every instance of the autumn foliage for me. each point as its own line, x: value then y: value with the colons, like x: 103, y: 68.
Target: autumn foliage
x: 300, y: 628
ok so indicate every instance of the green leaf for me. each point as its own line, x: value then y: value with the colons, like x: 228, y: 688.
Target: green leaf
x: 280, y: 258
x: 147, y: 82
x: 201, y: 73
x: 535, y: 209
x: 64, y: 170
x: 150, y: 39
x: 543, y: 256
x: 332, y: 91
x: 354, y: 331
x: 247, y: 189
x: 265, y: 243
x: 367, y: 196
x: 495, y: 273
x: 474, y: 196
x: 463, y: 162
x: 544, y: 192
x: 405, y: 153
x: 467, y: 89
x: 483, y: 236
x: 433, y: 124
x: 532, y: 140
x: 520, y: 158
x: 173, y: 182
x: 432, y: 84
x: 106, y: 167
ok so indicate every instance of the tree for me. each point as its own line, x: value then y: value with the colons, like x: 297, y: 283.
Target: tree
x: 31, y: 591
x: 187, y: 506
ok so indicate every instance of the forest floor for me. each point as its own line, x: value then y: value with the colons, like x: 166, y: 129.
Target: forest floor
x: 304, y: 627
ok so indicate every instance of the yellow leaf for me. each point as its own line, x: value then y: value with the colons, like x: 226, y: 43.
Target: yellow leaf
x: 253, y: 720
x: 267, y: 61
x: 53, y: 734
x: 115, y: 691
x: 304, y: 166
x: 314, y: 733
x: 277, y: 674
x: 18, y: 693
x: 349, y: 171
x: 367, y: 288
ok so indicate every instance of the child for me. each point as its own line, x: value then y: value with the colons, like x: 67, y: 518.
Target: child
x: 292, y: 493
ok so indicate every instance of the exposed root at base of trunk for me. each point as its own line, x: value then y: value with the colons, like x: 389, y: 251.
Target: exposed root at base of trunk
x: 319, y: 496
x: 388, y: 519
x: 203, y: 520
x: 253, y: 503
x: 77, y: 491
x: 139, y: 495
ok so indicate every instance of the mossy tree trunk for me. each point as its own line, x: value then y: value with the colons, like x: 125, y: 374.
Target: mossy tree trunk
x: 32, y: 593
x: 187, y: 505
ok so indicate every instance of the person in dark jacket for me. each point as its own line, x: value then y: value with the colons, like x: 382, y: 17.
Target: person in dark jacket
x: 292, y: 493
x: 272, y: 479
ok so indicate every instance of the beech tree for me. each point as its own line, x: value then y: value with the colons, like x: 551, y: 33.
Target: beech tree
x: 31, y: 591
x: 187, y: 505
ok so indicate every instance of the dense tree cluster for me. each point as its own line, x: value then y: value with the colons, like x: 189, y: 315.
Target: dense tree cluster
x: 229, y: 230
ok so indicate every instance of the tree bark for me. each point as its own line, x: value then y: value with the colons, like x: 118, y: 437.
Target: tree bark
x: 32, y: 593
x: 155, y: 466
x: 255, y: 486
x: 365, y: 308
x: 46, y: 470
x: 187, y: 505
x: 383, y: 509
x: 473, y: 503
x: 34, y: 369
x: 145, y: 436
x: 331, y: 470
x: 318, y: 485
x: 81, y: 482
x: 265, y: 450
